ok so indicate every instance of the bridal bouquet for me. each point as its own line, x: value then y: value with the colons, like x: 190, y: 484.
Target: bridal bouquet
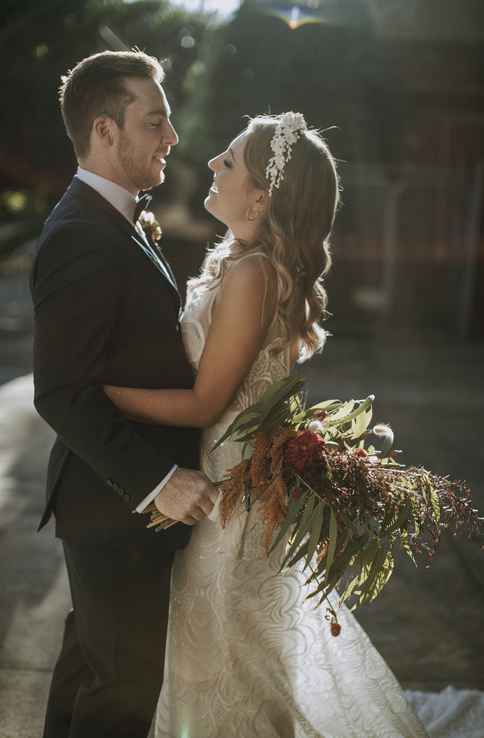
x: 331, y: 485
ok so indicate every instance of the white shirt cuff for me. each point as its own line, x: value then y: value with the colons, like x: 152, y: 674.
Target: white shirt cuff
x: 146, y: 501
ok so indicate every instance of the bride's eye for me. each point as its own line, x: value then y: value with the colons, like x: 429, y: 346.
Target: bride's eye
x: 228, y: 163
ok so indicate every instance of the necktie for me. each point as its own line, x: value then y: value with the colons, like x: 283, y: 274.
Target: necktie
x: 142, y: 203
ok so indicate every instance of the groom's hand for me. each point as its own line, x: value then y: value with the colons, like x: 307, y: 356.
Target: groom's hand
x: 188, y: 497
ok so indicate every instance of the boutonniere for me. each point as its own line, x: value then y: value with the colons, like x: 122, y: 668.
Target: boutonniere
x: 150, y: 225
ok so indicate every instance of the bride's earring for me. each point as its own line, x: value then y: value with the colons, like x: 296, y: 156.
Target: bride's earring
x: 251, y: 216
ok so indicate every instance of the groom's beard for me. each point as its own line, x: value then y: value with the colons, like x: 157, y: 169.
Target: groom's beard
x: 142, y: 177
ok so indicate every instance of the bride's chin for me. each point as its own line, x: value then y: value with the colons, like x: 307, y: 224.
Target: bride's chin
x: 209, y: 207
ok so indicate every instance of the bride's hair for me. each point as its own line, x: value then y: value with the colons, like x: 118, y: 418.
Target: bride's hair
x: 293, y: 233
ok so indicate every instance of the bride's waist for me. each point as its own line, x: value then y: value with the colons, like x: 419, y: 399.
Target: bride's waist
x: 215, y: 462
x: 216, y: 431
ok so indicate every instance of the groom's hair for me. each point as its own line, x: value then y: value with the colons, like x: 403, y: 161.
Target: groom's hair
x: 95, y: 86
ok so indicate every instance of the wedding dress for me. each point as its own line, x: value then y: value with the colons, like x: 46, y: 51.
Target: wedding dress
x: 247, y: 656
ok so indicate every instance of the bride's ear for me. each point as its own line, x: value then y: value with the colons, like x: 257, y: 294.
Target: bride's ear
x: 262, y: 198
x: 260, y: 201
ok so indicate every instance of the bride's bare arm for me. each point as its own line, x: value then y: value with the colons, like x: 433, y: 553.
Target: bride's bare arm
x: 239, y: 326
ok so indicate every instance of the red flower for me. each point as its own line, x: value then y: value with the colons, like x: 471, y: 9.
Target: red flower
x: 303, y: 449
x: 335, y: 629
x: 361, y: 453
x: 296, y: 493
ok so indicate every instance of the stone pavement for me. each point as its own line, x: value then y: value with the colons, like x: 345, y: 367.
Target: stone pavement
x: 428, y: 623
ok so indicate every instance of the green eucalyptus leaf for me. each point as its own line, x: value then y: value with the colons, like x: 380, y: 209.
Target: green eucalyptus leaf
x: 381, y: 570
x: 333, y: 537
x: 375, y: 566
x: 337, y: 570
x: 350, y: 588
x: 252, y: 418
x: 324, y: 405
x: 346, y: 413
x: 316, y: 528
x: 302, y: 551
x: 302, y: 529
x: 359, y: 424
x: 293, y: 510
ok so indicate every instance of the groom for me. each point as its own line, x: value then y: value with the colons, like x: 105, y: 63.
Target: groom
x: 107, y: 312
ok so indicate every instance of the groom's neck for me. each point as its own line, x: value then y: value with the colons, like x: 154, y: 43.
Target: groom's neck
x: 106, y: 170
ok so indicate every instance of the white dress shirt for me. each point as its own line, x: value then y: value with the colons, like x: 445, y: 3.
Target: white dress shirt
x: 125, y: 203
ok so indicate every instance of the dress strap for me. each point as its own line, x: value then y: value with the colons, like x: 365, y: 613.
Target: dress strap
x: 247, y: 256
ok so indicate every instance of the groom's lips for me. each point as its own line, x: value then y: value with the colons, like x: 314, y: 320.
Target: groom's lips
x: 161, y: 156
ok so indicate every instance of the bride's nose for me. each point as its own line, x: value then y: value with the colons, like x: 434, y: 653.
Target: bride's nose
x: 212, y: 164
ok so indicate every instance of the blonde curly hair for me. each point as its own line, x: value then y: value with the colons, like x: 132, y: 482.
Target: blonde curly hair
x: 293, y: 233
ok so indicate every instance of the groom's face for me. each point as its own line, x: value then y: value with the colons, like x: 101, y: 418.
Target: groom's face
x: 146, y: 137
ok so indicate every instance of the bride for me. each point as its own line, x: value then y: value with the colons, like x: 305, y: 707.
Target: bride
x: 247, y: 655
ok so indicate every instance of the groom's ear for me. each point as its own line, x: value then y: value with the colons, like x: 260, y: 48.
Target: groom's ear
x: 102, y: 128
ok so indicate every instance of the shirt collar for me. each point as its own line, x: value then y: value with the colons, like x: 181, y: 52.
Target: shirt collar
x: 117, y: 196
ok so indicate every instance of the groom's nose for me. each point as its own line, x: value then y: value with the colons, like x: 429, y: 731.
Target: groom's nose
x: 170, y: 136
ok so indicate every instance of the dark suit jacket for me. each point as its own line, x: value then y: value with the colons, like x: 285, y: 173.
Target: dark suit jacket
x: 106, y: 312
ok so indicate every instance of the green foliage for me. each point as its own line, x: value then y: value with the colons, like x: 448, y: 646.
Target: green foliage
x: 349, y: 511
x: 271, y: 410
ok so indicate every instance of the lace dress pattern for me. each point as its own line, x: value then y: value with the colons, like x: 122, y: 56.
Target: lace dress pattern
x: 247, y: 656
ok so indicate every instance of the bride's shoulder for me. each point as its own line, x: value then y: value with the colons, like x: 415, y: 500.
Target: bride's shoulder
x: 256, y: 265
x: 246, y: 285
x: 249, y: 272
x: 244, y: 281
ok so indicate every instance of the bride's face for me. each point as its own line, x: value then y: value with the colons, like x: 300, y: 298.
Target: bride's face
x: 232, y: 195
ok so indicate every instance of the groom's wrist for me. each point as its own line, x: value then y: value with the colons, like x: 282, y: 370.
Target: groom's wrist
x: 152, y: 496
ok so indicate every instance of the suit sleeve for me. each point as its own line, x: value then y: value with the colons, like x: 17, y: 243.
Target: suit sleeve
x: 77, y: 288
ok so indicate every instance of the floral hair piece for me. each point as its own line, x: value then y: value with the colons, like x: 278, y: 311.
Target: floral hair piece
x: 288, y: 130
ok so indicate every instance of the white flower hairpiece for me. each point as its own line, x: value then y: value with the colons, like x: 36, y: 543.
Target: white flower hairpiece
x: 288, y: 130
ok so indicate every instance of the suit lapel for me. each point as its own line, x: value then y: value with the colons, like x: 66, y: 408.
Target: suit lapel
x: 166, y: 263
x: 154, y: 256
x: 81, y: 190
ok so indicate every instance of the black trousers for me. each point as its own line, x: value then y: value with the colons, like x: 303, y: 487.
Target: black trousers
x: 109, y: 672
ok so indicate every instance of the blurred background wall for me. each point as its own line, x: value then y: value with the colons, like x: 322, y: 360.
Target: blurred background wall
x: 398, y: 85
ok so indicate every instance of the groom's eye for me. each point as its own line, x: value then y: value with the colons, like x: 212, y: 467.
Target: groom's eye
x: 228, y: 163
